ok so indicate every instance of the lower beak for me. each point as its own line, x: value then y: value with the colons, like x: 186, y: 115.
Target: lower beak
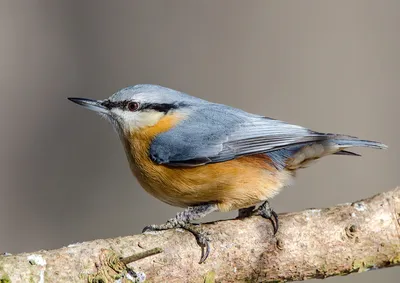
x: 94, y: 105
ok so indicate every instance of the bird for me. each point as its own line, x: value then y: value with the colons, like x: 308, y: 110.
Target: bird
x: 207, y: 157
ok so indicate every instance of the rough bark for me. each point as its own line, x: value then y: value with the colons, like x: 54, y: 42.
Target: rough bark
x: 314, y: 243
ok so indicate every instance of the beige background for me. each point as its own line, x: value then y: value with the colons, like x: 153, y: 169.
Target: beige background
x: 329, y: 65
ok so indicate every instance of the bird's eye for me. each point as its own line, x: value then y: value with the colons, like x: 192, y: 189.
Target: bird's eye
x: 133, y: 106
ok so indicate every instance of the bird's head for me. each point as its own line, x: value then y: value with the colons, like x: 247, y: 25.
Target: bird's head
x: 140, y: 106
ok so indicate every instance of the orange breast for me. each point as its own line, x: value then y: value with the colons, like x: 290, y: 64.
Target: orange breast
x: 233, y: 184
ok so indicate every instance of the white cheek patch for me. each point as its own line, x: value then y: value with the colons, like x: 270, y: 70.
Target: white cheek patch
x: 131, y: 121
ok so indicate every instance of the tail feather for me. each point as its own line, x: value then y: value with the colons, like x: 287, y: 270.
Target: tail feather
x: 300, y: 155
x: 347, y: 141
x: 346, y: 152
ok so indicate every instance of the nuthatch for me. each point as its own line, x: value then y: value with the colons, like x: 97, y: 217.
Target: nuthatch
x: 208, y: 157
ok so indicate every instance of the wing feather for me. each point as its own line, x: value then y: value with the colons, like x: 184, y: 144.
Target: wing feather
x: 218, y: 133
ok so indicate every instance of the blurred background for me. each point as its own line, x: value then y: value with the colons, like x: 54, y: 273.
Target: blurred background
x: 333, y: 66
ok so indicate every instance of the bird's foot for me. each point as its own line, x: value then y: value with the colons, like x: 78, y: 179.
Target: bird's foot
x: 154, y: 228
x: 267, y: 212
x: 202, y: 238
x: 182, y: 220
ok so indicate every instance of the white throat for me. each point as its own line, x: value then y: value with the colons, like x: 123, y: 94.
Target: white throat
x: 132, y: 121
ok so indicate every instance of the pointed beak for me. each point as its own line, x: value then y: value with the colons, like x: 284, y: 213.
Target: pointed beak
x: 94, y: 105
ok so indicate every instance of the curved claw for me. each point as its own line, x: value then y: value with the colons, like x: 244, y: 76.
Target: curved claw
x: 273, y: 217
x: 274, y: 221
x: 206, y: 253
x: 266, y: 212
x: 152, y: 228
x: 201, y: 237
x: 147, y: 229
x: 202, y: 241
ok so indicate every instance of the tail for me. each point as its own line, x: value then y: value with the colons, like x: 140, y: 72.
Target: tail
x: 348, y: 141
x: 301, y: 155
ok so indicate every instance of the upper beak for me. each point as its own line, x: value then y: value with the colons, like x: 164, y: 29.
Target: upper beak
x: 95, y: 105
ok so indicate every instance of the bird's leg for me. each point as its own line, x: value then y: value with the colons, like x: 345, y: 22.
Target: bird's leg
x: 246, y: 212
x: 267, y: 212
x: 183, y: 220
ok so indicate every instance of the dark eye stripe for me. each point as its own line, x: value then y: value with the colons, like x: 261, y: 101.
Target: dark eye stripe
x: 160, y: 107
x: 111, y: 104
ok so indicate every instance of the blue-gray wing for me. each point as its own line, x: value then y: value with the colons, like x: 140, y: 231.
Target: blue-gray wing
x: 216, y: 133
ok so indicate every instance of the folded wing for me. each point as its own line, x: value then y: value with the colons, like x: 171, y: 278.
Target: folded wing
x: 218, y: 133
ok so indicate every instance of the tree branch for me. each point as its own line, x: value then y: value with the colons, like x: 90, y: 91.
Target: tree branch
x: 314, y: 243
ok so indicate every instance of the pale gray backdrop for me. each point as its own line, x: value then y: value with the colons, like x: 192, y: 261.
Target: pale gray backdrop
x: 329, y: 65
